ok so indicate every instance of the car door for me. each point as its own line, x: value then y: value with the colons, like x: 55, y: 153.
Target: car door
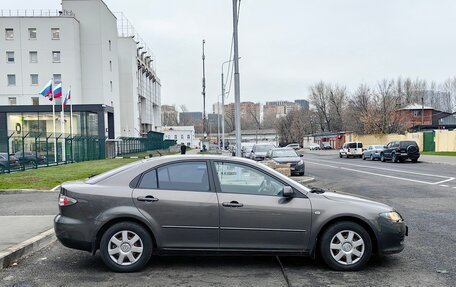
x: 388, y: 149
x: 180, y: 202
x: 253, y: 213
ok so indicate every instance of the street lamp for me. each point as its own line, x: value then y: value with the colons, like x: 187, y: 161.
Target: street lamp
x: 223, y: 105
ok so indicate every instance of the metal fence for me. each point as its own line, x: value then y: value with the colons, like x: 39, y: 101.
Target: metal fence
x: 21, y: 151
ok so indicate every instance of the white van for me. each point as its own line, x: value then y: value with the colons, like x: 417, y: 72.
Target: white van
x: 351, y: 149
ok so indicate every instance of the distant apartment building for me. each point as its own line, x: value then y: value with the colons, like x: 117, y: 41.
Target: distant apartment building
x: 84, y: 46
x: 190, y: 118
x: 169, y: 115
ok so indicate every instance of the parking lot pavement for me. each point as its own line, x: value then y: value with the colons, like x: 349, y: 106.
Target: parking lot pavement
x: 427, y: 260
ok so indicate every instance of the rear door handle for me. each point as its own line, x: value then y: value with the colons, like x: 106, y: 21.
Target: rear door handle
x: 232, y: 204
x: 147, y: 198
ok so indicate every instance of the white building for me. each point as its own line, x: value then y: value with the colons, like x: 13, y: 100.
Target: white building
x: 182, y: 134
x: 113, y: 84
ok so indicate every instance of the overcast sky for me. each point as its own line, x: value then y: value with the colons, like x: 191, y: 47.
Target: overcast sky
x: 288, y: 45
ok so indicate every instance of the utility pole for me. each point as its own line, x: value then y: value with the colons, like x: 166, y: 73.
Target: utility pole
x: 237, y: 90
x: 204, y: 94
x: 422, y: 112
x: 223, y: 113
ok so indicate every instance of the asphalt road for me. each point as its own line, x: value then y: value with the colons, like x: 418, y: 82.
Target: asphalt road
x: 424, y: 193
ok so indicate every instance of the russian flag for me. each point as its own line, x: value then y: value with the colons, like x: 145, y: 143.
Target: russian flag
x: 47, y: 90
x: 67, y: 97
x: 58, y: 91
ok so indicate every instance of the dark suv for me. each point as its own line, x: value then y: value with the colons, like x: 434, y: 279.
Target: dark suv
x: 30, y: 157
x: 399, y: 151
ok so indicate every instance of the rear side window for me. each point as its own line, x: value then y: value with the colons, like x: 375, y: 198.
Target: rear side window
x: 191, y: 176
x: 352, y: 145
x: 149, y: 180
x: 407, y: 143
x: 360, y: 145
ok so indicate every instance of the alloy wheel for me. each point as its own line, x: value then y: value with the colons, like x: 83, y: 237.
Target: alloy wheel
x: 347, y: 247
x: 125, y: 247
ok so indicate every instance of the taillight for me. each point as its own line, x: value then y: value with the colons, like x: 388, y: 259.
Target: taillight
x: 348, y: 149
x: 66, y: 200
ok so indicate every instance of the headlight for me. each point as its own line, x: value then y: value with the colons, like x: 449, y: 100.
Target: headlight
x: 301, y: 162
x: 392, y: 216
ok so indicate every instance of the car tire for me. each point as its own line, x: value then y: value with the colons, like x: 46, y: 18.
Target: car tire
x: 415, y: 160
x: 394, y: 158
x: 371, y: 157
x: 340, y: 155
x: 116, y: 233
x: 382, y: 157
x: 338, y: 254
x: 363, y: 157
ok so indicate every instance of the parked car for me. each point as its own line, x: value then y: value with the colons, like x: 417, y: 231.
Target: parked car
x: 351, y: 149
x: 246, y: 149
x: 399, y: 151
x: 4, y: 165
x: 294, y: 146
x: 259, y: 151
x: 30, y: 157
x: 219, y: 205
x: 288, y: 155
x: 373, y: 152
x: 325, y: 145
x: 314, y: 146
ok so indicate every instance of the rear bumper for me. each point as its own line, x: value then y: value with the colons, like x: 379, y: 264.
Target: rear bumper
x: 73, y: 233
x: 408, y: 156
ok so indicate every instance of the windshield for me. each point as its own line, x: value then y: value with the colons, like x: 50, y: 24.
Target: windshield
x: 284, y: 153
x: 263, y: 148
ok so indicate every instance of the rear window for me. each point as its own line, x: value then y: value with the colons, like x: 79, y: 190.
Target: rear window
x: 352, y: 145
x: 407, y: 143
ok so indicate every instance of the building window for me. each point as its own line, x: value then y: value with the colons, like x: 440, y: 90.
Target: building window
x: 182, y: 137
x: 109, y: 45
x: 188, y: 144
x: 11, y: 80
x: 55, y: 33
x: 56, y: 56
x: 188, y: 137
x: 9, y: 34
x: 35, y: 101
x: 57, y: 78
x: 34, y: 79
x: 110, y: 85
x: 110, y: 66
x: 33, y: 56
x: 10, y: 57
x: 32, y: 33
x: 12, y: 101
x: 175, y: 137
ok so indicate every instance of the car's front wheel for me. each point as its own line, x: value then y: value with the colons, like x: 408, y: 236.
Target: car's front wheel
x: 126, y: 247
x: 346, y: 246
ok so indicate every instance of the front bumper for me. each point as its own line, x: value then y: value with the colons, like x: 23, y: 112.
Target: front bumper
x: 391, y: 237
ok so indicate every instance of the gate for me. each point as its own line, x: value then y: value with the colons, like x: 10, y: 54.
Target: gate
x: 428, y: 141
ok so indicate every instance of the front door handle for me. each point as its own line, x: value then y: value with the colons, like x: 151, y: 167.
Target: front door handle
x: 147, y: 198
x: 232, y: 204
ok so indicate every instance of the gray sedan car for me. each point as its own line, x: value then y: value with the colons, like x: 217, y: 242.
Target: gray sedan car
x: 373, y: 152
x: 219, y: 205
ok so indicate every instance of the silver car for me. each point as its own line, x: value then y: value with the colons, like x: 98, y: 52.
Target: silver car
x: 219, y: 205
x: 373, y: 152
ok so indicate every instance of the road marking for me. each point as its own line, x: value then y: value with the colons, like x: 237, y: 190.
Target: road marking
x: 454, y: 186
x: 373, y: 173
x: 447, y: 178
x: 444, y: 185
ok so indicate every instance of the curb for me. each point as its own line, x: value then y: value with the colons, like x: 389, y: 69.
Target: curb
x: 12, y: 191
x: 18, y: 251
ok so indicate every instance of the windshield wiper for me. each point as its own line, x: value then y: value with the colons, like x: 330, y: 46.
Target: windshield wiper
x: 317, y: 190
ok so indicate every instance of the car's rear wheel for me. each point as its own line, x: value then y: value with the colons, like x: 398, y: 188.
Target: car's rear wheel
x: 340, y: 155
x: 126, y: 247
x: 414, y: 160
x: 382, y: 157
x: 363, y: 157
x: 393, y: 157
x: 346, y: 246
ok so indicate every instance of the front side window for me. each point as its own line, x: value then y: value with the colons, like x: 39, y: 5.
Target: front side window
x: 56, y: 56
x: 10, y: 57
x: 191, y: 176
x: 11, y: 80
x: 238, y: 178
x: 33, y: 56
x: 32, y: 33
x: 55, y: 33
x: 9, y: 34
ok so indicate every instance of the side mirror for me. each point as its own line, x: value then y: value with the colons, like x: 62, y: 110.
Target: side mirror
x: 288, y: 191
x: 385, y: 146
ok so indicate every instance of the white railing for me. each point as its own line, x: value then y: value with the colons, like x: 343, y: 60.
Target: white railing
x: 34, y: 13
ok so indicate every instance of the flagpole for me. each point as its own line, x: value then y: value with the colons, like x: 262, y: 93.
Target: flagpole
x: 53, y: 122
x: 71, y: 114
x: 62, y: 127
